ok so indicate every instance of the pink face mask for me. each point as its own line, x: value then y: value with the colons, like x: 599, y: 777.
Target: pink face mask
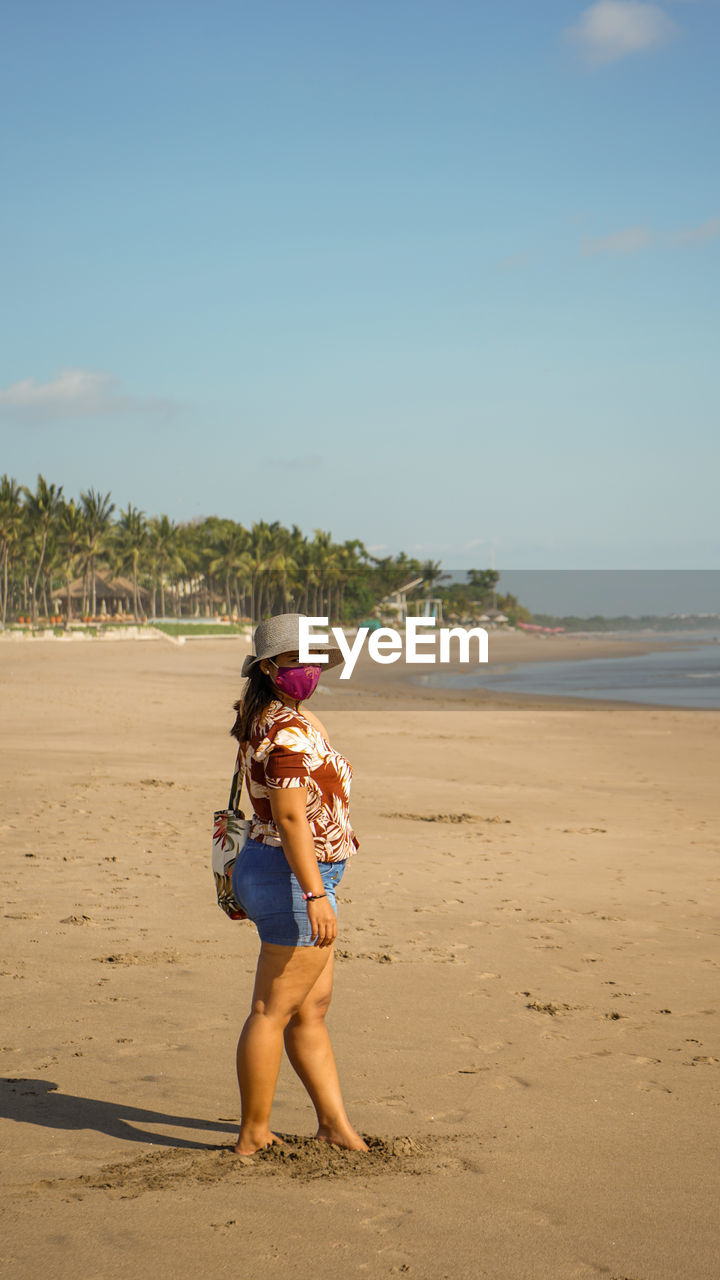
x: 297, y: 682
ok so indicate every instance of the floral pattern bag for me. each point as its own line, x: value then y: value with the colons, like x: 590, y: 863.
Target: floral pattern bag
x: 230, y: 833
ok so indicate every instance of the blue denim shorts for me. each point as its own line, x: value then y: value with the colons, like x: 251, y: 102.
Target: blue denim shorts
x: 268, y: 891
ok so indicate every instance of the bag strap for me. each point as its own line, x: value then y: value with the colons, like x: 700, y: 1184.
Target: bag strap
x: 237, y: 781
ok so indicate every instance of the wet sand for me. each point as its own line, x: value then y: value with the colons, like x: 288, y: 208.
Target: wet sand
x: 526, y: 989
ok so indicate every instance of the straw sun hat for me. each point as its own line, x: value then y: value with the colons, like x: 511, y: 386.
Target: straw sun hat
x: 278, y: 634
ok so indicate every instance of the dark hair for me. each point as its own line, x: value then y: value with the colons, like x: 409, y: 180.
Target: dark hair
x: 259, y: 691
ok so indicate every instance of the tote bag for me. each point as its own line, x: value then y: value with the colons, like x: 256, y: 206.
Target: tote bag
x: 230, y: 833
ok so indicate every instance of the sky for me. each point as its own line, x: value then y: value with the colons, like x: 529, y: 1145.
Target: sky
x: 442, y: 276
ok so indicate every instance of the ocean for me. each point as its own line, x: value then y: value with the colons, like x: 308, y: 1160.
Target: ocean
x: 676, y: 678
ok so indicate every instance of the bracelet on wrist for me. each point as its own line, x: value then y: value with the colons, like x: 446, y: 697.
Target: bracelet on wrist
x: 313, y: 897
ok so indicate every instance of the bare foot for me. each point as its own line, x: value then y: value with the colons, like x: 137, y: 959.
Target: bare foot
x: 341, y: 1136
x: 248, y: 1143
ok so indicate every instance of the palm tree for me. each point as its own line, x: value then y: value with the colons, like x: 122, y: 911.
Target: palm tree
x: 132, y: 537
x: 306, y: 574
x: 167, y: 560
x: 350, y: 555
x: 22, y: 557
x: 71, y: 536
x: 191, y: 550
x: 268, y: 568
x: 11, y: 513
x: 41, y: 508
x: 198, y: 552
x: 283, y: 566
x: 52, y: 567
x: 97, y: 509
x: 485, y: 580
x: 230, y: 555
x: 325, y: 559
x: 432, y: 575
x: 260, y: 547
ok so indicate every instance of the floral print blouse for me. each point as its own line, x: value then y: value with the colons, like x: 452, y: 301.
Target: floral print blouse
x: 286, y: 750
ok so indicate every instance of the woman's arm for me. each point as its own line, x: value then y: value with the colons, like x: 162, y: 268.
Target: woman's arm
x: 289, y: 811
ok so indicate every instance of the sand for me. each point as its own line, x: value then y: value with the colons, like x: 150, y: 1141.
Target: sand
x: 526, y: 1008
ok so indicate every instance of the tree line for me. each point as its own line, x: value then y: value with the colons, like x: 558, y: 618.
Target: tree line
x: 200, y: 567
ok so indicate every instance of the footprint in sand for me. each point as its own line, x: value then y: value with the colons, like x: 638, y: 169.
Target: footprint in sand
x: 445, y: 955
x: 548, y: 1007
x: 386, y: 1220
x: 380, y: 957
x: 451, y: 1117
x: 452, y: 818
x: 510, y: 1082
x: 492, y: 1046
x: 132, y: 958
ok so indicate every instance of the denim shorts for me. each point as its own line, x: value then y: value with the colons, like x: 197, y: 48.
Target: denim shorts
x: 268, y: 891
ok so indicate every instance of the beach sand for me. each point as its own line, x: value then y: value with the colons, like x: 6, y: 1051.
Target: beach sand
x: 526, y: 1010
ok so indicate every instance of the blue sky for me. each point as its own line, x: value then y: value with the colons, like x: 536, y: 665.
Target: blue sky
x: 440, y: 276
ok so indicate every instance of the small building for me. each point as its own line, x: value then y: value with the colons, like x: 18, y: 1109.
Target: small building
x: 113, y: 596
x: 493, y: 617
x: 395, y: 607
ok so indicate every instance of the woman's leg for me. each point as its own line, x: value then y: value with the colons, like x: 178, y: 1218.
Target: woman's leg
x: 309, y: 1049
x: 285, y: 976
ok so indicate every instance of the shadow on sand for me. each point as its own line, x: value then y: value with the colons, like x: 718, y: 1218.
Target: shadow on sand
x: 30, y: 1101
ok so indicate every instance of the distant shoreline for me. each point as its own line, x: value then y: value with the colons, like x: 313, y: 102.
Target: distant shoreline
x: 374, y: 685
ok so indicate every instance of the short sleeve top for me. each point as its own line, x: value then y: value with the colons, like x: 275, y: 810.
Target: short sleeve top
x: 286, y: 750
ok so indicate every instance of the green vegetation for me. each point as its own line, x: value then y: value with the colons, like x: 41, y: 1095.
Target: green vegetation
x: 464, y: 602
x: 67, y: 561
x: 200, y: 628
x: 653, y: 622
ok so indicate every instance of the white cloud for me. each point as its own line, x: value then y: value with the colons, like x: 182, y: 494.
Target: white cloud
x: 611, y: 29
x: 635, y: 239
x: 72, y: 393
x: 629, y: 240
x: 709, y: 230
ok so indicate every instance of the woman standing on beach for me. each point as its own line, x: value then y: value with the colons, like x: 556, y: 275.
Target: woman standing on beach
x: 285, y: 880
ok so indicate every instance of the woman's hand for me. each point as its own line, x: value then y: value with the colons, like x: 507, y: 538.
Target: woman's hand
x: 323, y: 922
